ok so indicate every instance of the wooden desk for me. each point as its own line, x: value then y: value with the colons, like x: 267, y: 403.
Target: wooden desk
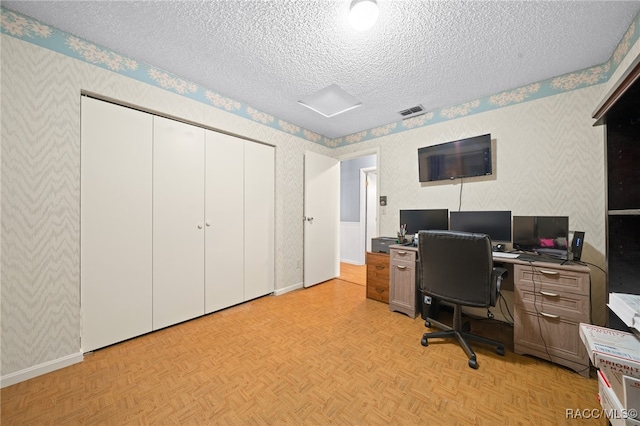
x: 550, y: 302
x: 403, y: 282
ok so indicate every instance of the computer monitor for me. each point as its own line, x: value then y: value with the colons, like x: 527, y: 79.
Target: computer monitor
x: 542, y: 234
x: 496, y: 224
x: 424, y: 220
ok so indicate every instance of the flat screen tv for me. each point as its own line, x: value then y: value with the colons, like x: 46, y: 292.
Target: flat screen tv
x: 456, y: 159
x: 424, y: 220
x: 496, y: 224
x: 541, y: 234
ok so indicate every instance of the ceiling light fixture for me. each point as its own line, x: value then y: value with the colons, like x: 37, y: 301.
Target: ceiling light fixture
x: 363, y: 14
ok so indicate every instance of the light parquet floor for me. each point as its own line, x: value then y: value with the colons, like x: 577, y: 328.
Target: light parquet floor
x: 356, y: 274
x: 323, y: 355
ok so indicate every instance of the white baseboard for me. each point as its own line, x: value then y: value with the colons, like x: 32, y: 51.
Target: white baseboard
x: 38, y: 370
x: 292, y: 287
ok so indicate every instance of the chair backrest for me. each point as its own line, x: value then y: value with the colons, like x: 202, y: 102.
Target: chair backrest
x: 456, y: 267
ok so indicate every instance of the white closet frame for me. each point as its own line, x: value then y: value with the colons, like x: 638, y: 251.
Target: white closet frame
x: 176, y: 221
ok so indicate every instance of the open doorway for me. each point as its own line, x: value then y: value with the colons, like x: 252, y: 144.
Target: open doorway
x: 358, y: 206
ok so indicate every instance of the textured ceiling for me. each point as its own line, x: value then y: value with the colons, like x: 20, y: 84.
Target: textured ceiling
x: 269, y: 54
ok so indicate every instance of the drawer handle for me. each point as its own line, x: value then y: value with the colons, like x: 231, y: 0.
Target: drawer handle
x: 546, y: 293
x: 379, y: 268
x: 402, y: 253
x: 544, y: 314
x: 548, y: 272
x: 401, y: 267
x: 379, y: 290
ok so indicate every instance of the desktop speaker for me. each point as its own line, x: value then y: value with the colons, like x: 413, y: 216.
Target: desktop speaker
x: 576, y: 244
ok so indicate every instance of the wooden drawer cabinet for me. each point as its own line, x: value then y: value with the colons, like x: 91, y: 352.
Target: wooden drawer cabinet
x: 564, y: 278
x: 550, y: 303
x: 378, y: 276
x: 402, y: 281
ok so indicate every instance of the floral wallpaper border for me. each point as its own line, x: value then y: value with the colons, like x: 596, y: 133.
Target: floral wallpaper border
x: 28, y: 29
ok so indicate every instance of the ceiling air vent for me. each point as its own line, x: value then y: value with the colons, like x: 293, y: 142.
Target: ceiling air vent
x: 411, y: 111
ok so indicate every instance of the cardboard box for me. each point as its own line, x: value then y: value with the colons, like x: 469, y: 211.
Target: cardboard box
x: 609, y: 341
x: 627, y: 308
x: 631, y: 399
x: 611, y: 407
x: 610, y: 404
x: 615, y: 369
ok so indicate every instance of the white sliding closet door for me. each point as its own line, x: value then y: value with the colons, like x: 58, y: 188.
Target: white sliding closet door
x: 115, y: 223
x: 178, y: 222
x: 259, y: 222
x: 224, y: 216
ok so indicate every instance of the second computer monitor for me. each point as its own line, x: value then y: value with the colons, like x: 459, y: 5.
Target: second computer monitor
x: 497, y: 224
x: 424, y: 220
x: 540, y: 233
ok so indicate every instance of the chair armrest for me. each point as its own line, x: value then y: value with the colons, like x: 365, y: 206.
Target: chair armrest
x: 497, y: 275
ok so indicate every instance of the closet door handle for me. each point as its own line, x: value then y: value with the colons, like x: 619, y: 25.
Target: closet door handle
x: 199, y: 226
x: 208, y: 223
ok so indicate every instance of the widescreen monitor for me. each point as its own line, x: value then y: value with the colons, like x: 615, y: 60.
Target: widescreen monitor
x: 541, y: 233
x: 456, y: 159
x: 424, y: 220
x: 496, y: 224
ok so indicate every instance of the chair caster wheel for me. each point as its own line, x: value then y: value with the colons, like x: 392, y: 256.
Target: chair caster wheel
x: 500, y: 350
x: 473, y: 364
x: 424, y: 342
x: 427, y: 324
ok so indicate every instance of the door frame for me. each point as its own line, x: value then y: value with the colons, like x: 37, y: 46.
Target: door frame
x: 365, y: 203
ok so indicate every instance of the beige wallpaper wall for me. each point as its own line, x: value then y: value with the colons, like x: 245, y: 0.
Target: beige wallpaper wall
x: 40, y: 178
x: 549, y: 160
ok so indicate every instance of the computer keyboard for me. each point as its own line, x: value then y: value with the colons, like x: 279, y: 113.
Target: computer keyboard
x: 540, y: 258
x: 505, y: 255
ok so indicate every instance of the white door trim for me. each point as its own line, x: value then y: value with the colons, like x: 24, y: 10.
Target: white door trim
x: 371, y: 151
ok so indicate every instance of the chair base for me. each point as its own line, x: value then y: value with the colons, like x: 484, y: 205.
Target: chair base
x: 460, y: 335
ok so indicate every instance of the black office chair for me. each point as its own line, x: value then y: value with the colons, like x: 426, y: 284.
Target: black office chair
x: 457, y: 267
